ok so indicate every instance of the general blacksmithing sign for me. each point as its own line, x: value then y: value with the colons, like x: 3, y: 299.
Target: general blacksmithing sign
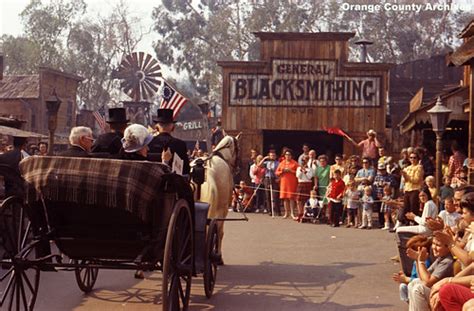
x: 304, y: 83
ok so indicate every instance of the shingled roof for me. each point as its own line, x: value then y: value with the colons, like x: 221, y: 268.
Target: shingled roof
x: 12, y: 87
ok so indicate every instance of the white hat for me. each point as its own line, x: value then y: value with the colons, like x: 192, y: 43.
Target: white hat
x: 135, y: 137
x: 371, y: 132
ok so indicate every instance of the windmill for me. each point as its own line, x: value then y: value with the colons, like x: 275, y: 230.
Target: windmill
x: 141, y: 78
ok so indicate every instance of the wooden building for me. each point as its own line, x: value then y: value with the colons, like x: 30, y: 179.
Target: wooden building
x: 417, y: 123
x: 464, y: 56
x: 431, y: 76
x: 303, y: 84
x: 23, y: 97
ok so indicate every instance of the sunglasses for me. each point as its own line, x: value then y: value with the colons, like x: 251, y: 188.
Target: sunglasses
x: 414, y: 158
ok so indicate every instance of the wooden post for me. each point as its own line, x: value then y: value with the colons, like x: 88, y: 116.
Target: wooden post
x: 471, y: 121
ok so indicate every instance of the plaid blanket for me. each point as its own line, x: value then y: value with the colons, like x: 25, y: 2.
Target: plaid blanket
x: 130, y: 185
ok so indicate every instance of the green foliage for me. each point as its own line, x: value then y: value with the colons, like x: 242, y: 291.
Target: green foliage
x: 21, y: 55
x: 60, y: 35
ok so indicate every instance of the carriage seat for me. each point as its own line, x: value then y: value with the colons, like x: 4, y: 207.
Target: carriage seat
x: 98, y: 207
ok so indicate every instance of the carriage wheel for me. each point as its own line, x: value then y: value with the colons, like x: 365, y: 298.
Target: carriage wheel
x: 86, y: 276
x: 178, y: 259
x: 23, y: 280
x: 211, y: 258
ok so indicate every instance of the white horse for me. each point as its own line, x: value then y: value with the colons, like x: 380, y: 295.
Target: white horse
x: 219, y: 184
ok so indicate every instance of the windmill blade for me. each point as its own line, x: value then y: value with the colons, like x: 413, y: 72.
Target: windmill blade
x: 153, y: 83
x: 140, y: 74
x: 151, y: 88
x: 141, y: 55
x: 149, y: 61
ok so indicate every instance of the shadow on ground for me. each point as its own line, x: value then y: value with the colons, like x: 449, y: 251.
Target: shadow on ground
x: 267, y: 286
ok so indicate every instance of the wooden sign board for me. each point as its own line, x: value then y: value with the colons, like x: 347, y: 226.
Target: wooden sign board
x: 304, y: 83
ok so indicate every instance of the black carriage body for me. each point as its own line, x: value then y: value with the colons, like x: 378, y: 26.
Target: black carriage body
x: 92, y: 211
x: 98, y: 230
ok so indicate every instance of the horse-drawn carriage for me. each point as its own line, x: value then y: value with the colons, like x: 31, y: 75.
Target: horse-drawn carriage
x: 89, y: 214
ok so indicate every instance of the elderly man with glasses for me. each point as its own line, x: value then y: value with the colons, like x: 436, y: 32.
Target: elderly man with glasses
x: 80, y: 141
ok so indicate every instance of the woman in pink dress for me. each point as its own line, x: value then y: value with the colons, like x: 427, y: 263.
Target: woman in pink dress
x: 288, y: 182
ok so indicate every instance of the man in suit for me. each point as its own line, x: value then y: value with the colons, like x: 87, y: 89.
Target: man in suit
x: 80, y: 141
x: 11, y: 159
x: 164, y: 142
x: 111, y: 142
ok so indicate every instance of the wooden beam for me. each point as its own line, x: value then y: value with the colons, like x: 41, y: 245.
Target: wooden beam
x: 471, y: 120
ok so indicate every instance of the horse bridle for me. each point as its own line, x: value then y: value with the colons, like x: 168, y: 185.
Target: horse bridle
x: 236, y: 164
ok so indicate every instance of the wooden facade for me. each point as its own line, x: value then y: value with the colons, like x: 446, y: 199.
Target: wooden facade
x: 303, y: 83
x: 464, y: 56
x: 23, y: 98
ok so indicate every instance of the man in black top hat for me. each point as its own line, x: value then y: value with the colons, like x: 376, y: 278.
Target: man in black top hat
x: 111, y: 142
x: 11, y: 159
x: 164, y: 141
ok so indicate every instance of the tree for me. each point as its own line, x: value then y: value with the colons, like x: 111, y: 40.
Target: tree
x: 196, y: 34
x: 21, y: 55
x: 95, y: 47
x: 60, y: 35
x: 47, y: 25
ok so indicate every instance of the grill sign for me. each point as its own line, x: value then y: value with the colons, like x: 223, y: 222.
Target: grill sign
x: 304, y: 83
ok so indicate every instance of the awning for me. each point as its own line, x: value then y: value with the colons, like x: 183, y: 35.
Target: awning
x: 11, y: 131
x: 421, y: 116
x: 463, y: 54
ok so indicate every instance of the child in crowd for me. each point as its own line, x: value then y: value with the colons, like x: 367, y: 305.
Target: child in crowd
x: 386, y: 209
x: 460, y: 181
x: 445, y: 192
x: 353, y: 203
x: 415, y: 242
x: 336, y: 192
x: 430, y: 183
x: 449, y: 215
x: 312, y: 206
x: 442, y: 267
x: 243, y: 194
x: 367, y: 208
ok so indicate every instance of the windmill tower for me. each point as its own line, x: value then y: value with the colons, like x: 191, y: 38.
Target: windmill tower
x: 141, y: 79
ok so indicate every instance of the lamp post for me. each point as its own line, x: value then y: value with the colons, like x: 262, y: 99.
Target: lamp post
x: 439, y: 115
x: 52, y: 107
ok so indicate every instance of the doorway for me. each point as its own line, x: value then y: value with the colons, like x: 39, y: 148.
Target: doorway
x: 320, y: 141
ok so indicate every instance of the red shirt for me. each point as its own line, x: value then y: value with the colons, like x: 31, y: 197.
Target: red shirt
x: 337, y: 189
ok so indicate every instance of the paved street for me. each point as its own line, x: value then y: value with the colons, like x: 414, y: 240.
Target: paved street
x: 271, y: 264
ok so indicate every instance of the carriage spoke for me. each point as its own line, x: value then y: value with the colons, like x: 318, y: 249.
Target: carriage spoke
x: 18, y: 294
x: 7, y: 289
x: 184, y: 246
x: 186, y: 259
x: 27, y: 281
x: 88, y: 277
x: 25, y: 237
x: 181, y: 292
x: 6, y: 274
x: 23, y: 295
x: 20, y: 231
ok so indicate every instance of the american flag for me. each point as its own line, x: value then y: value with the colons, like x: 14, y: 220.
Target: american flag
x: 99, y: 116
x: 171, y: 99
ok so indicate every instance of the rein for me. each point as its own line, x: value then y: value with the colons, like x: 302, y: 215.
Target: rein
x: 234, y: 166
